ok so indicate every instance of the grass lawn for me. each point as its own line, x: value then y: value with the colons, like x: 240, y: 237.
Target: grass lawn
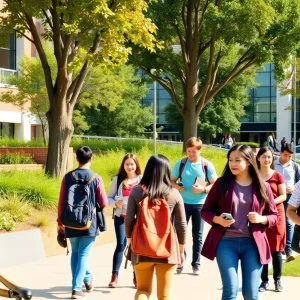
x: 292, y: 268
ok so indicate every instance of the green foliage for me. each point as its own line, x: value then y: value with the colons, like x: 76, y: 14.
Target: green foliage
x: 9, y: 142
x: 217, y: 41
x: 250, y: 144
x: 16, y: 158
x: 38, y: 188
x: 16, y: 208
x: 290, y: 269
x: 109, y: 104
x: 6, y: 221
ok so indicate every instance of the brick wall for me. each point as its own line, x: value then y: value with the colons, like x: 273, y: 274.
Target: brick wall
x: 39, y: 154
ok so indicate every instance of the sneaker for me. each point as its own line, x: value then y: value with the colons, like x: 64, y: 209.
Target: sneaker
x: 90, y: 286
x: 263, y: 286
x: 179, y: 270
x: 290, y: 257
x: 278, y: 286
x: 134, y: 280
x: 196, y: 270
x: 78, y: 295
x: 114, y: 281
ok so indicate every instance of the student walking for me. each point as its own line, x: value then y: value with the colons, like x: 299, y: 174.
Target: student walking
x: 128, y: 176
x: 81, y: 240
x: 291, y: 174
x: 196, y: 176
x: 156, y: 184
x: 228, y: 141
x: 239, y: 206
x: 276, y: 234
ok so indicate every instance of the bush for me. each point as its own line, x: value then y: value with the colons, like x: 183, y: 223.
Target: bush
x: 6, y: 221
x: 16, y: 158
x: 250, y: 144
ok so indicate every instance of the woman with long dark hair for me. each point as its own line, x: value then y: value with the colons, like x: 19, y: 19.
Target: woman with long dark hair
x: 275, y: 234
x: 156, y: 184
x: 239, y: 207
x: 128, y: 176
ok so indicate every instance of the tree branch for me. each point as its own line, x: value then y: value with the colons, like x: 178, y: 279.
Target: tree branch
x: 49, y: 22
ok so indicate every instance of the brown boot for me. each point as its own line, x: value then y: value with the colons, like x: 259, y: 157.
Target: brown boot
x: 114, y: 281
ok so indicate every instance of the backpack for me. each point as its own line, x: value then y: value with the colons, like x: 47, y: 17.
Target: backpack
x: 78, y: 209
x: 203, y: 163
x: 153, y: 232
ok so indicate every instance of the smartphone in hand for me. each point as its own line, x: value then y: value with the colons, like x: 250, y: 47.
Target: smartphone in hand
x: 227, y: 216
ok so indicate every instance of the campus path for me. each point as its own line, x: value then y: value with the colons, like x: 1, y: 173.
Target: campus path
x: 50, y: 279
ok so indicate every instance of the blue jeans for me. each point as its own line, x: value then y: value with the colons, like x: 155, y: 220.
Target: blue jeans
x: 121, y: 244
x: 289, y: 228
x: 193, y: 211
x: 229, y: 252
x: 81, y: 249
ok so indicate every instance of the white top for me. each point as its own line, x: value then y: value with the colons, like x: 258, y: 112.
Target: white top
x: 295, y: 198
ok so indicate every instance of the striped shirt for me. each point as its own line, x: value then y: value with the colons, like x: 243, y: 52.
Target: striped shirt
x: 295, y: 198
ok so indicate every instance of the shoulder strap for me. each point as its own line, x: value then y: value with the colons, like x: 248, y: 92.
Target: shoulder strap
x: 92, y: 177
x: 73, y: 176
x: 119, y: 181
x: 182, y: 165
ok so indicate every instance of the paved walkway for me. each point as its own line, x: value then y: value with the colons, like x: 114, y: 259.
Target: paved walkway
x: 50, y: 279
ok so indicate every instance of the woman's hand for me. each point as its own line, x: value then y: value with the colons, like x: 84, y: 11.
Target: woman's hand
x: 60, y: 228
x: 256, y: 218
x: 119, y: 203
x: 222, y: 221
x: 182, y: 260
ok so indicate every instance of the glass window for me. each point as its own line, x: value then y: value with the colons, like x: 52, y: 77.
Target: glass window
x: 8, y: 51
x: 262, y: 117
x: 163, y: 94
x: 261, y: 104
x: 162, y: 118
x: 273, y: 107
x: 263, y: 79
x: 7, y: 130
x: 262, y: 92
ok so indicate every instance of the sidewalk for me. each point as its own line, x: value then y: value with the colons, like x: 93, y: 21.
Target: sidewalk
x: 50, y: 279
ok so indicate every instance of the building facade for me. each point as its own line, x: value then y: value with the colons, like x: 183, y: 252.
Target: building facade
x: 15, y: 122
x: 268, y: 111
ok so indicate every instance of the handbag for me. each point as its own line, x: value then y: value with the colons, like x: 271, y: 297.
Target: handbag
x: 101, y: 221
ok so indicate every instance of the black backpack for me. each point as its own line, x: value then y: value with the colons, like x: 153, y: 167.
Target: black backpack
x: 79, y: 208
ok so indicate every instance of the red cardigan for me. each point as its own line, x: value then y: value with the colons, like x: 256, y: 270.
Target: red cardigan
x: 214, y: 207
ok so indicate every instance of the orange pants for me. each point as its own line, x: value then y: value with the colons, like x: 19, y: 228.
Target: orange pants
x: 144, y: 275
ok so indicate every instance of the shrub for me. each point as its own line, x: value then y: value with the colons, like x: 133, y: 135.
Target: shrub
x: 16, y: 208
x: 16, y: 158
x: 250, y: 144
x: 6, y: 221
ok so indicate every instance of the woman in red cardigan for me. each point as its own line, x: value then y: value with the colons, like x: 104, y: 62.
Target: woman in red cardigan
x: 239, y: 207
x: 276, y: 234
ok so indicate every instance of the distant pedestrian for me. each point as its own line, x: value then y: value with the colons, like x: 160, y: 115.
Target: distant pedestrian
x: 81, y: 240
x: 292, y: 144
x: 228, y: 141
x: 239, y: 206
x: 275, y: 144
x: 283, y: 141
x: 270, y: 141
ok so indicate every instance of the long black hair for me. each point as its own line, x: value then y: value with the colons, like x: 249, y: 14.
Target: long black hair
x: 157, y: 177
x: 257, y: 181
x: 262, y: 151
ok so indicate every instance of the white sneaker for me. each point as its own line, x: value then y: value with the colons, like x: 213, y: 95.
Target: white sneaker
x: 196, y: 270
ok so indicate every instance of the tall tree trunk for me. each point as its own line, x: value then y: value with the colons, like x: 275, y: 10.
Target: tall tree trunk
x: 190, y: 121
x: 60, y: 134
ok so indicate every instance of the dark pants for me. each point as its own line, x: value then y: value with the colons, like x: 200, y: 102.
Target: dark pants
x: 121, y: 244
x: 194, y: 211
x: 277, y: 267
x: 289, y: 228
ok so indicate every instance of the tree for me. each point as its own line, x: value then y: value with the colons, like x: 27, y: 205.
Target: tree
x: 83, y: 33
x: 239, y: 34
x: 221, y: 115
x: 127, y: 118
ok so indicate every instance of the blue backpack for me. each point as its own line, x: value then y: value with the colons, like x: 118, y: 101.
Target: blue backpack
x: 79, y: 208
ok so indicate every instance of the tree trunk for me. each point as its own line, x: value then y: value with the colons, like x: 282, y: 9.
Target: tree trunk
x: 60, y: 134
x: 190, y: 121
